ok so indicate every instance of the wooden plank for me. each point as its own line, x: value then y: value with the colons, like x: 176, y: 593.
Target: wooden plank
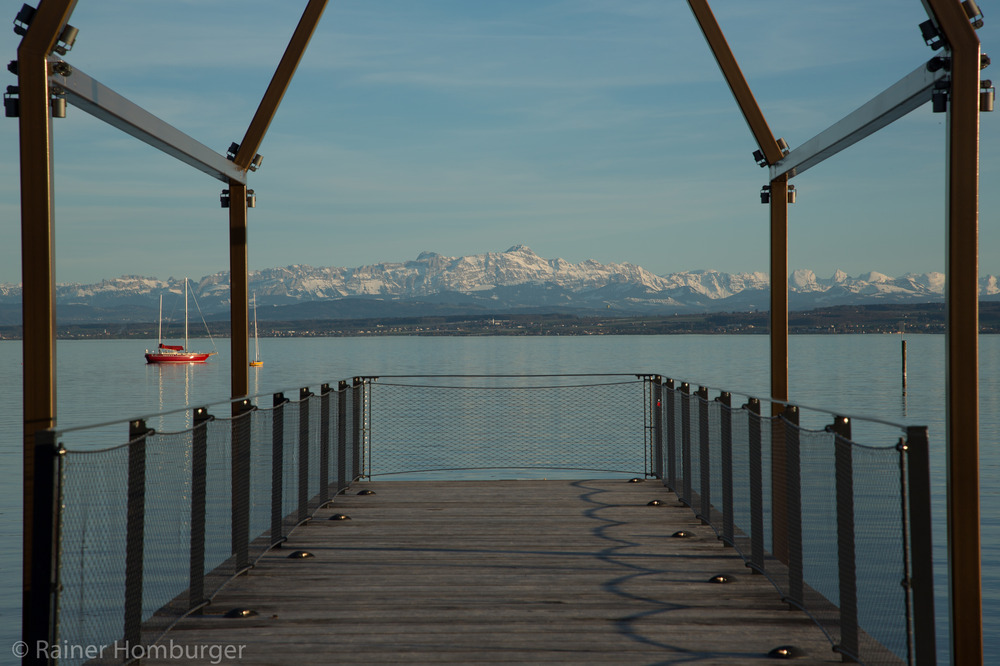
x: 573, y: 572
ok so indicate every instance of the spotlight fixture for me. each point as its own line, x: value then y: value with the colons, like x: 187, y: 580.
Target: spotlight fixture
x: 939, y: 100
x: 972, y: 11
x: 58, y: 105
x: 23, y: 20
x: 224, y: 198
x: 251, y: 199
x: 233, y: 149
x: 791, y: 194
x: 12, y: 102
x: 255, y: 164
x: 932, y: 37
x: 782, y: 146
x: 939, y: 62
x: 66, y: 39
x: 765, y: 194
x: 758, y: 157
x: 987, y: 93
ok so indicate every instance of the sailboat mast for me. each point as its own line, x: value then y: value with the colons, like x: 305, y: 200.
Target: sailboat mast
x: 256, y: 343
x: 185, y: 314
x: 159, y: 327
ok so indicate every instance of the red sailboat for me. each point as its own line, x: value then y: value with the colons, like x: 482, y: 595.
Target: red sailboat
x: 175, y: 353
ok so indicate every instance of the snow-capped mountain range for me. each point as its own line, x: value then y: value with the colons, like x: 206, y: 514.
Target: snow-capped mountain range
x: 514, y: 280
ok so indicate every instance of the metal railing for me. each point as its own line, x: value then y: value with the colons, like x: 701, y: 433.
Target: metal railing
x: 841, y: 529
x: 142, y: 534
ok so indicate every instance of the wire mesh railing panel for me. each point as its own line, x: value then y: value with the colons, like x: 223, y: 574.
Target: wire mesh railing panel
x: 819, y: 528
x: 261, y: 468
x: 316, y: 439
x: 880, y: 540
x: 740, y: 419
x: 218, y: 559
x: 423, y: 427
x: 167, y: 527
x: 92, y: 550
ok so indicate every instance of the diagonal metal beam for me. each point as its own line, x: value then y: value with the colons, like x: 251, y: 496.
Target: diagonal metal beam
x: 98, y: 100
x: 908, y: 94
x: 279, y: 82
x: 737, y: 82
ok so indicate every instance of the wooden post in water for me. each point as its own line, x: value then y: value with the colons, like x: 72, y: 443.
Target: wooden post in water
x: 902, y: 341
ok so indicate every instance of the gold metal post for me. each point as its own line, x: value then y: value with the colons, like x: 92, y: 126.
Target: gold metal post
x: 238, y: 265
x: 37, y: 250
x: 964, y: 549
x: 238, y: 290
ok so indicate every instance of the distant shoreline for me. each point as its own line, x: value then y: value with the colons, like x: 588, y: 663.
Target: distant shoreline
x: 873, y: 319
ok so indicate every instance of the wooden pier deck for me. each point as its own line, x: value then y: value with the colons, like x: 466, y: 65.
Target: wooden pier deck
x: 480, y: 572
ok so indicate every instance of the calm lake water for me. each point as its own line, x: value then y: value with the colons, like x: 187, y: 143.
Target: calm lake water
x: 102, y: 381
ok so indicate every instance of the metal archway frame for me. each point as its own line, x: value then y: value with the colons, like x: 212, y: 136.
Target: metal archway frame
x: 963, y: 48
x: 39, y: 75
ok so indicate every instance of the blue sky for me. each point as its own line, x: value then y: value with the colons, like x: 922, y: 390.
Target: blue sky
x: 584, y: 129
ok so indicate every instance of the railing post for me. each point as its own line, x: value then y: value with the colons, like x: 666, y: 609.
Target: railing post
x: 324, y: 444
x: 846, y: 565
x: 342, y: 479
x: 135, y: 532
x: 921, y: 582
x: 793, y: 486
x: 658, y: 426
x: 356, y: 435
x: 199, y: 463
x: 704, y: 455
x: 277, y: 469
x: 303, y: 509
x: 671, y: 437
x: 240, y: 475
x: 755, y: 452
x: 42, y: 623
x: 686, y: 442
x: 726, y: 445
